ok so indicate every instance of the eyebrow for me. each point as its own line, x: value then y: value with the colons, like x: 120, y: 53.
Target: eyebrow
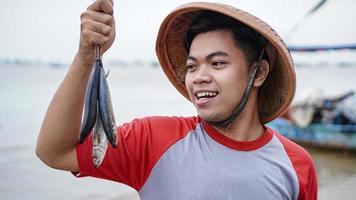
x: 211, y: 55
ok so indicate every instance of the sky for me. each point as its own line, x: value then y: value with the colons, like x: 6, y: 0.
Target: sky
x: 49, y: 30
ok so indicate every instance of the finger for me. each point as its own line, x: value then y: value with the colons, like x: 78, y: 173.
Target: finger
x: 112, y: 24
x: 97, y: 16
x: 105, y: 6
x: 96, y: 27
x: 92, y: 38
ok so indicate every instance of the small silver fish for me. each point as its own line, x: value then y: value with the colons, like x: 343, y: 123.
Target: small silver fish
x: 106, y: 110
x: 100, y: 143
x: 90, y: 104
x: 98, y: 113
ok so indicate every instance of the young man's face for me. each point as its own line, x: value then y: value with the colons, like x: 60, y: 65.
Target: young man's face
x: 217, y: 75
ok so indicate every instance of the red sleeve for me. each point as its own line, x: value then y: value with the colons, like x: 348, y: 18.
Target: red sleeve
x: 140, y: 144
x: 304, y: 167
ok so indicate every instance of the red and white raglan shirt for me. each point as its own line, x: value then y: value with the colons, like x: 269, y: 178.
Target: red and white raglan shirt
x: 184, y: 158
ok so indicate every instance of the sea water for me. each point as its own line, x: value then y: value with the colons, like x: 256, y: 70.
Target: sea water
x: 137, y: 91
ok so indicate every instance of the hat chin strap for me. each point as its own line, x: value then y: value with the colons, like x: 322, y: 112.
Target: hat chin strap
x: 225, y: 123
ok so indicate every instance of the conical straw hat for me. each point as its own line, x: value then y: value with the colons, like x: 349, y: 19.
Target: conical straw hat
x: 277, y: 92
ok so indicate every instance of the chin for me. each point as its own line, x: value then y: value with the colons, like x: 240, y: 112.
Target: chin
x: 213, y: 115
x: 209, y: 116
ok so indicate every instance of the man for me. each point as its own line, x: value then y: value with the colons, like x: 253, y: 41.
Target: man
x: 238, y: 74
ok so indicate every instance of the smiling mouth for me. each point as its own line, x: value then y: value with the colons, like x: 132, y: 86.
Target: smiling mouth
x: 207, y: 94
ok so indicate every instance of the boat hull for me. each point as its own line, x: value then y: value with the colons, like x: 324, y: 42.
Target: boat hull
x: 321, y: 135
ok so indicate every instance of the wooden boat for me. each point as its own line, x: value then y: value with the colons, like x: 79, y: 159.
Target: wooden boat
x: 318, y: 134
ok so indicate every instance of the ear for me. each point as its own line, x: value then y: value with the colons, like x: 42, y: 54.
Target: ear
x: 261, y: 73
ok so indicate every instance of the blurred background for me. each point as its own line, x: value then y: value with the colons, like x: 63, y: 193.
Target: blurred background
x: 40, y: 38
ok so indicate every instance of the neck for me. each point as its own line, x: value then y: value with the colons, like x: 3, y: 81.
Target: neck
x: 247, y: 127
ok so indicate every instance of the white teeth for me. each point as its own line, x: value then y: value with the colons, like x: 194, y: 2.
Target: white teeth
x: 206, y: 94
x: 200, y: 94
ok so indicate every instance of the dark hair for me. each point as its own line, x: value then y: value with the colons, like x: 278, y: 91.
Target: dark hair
x: 247, y: 39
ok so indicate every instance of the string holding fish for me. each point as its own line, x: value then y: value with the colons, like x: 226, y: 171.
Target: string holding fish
x: 98, y: 112
x: 97, y: 52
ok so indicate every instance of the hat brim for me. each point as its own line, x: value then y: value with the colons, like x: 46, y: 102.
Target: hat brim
x: 276, y: 94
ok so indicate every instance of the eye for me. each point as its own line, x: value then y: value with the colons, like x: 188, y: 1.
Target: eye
x: 191, y: 67
x: 218, y: 64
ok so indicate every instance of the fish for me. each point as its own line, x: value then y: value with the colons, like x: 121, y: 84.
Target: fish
x: 98, y: 113
x: 100, y: 143
x: 106, y: 109
x: 90, y: 104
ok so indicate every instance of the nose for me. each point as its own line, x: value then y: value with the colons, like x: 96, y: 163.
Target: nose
x: 202, y: 75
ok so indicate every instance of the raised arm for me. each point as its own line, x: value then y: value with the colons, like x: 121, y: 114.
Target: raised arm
x: 60, y: 127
